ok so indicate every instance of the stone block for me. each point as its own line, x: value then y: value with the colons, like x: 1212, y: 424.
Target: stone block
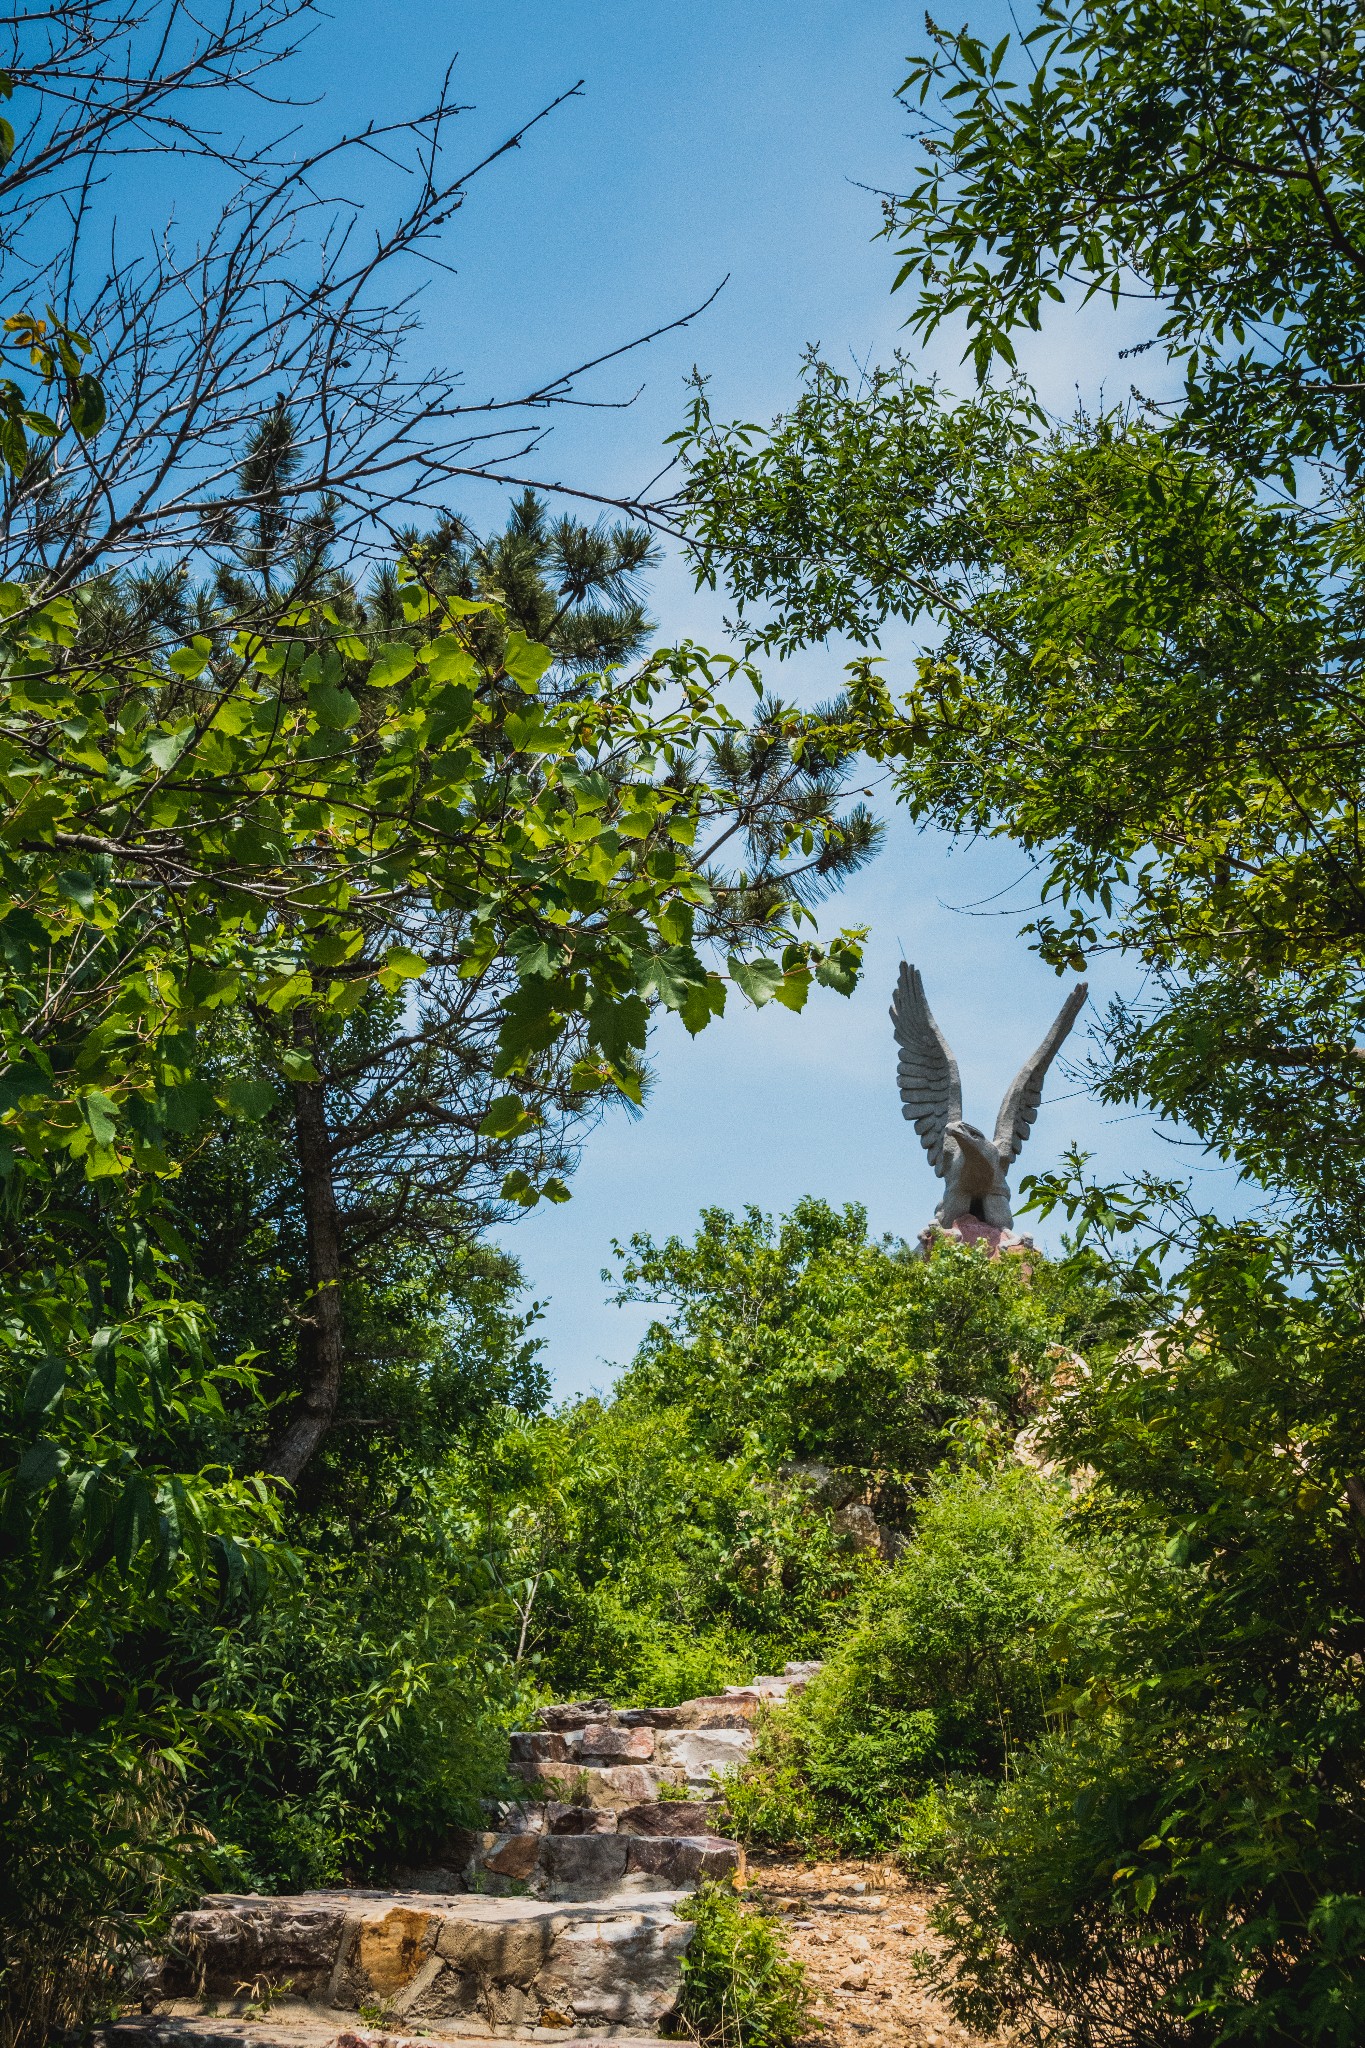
x: 573, y: 1714
x: 579, y: 1820
x: 679, y: 1860
x: 725, y: 1710
x: 484, y: 1964
x: 580, y: 1866
x: 513, y: 1856
x: 602, y: 1742
x: 230, y: 1941
x: 609, y: 1785
x: 667, y: 1817
x: 703, y: 1753
x: 537, y: 1746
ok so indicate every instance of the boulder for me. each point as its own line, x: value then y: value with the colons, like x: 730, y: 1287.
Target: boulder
x: 678, y: 1860
x: 537, y: 1746
x: 579, y: 1820
x: 667, y: 1817
x: 604, y: 1742
x: 573, y: 1714
x: 703, y: 1753
x: 610, y: 1785
x: 427, y: 1959
x: 734, y: 1708
x: 230, y: 1941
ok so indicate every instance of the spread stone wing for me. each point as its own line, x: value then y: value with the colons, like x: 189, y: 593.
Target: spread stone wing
x: 1020, y: 1105
x: 931, y: 1093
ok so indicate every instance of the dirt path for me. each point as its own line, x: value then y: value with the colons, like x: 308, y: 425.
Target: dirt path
x: 857, y: 1927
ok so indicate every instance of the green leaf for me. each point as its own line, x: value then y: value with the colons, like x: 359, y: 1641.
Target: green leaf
x: 333, y: 707
x: 39, y: 1466
x: 508, y: 1117
x: 186, y: 1106
x: 391, y: 664
x: 759, y: 980
x: 248, y: 1096
x: 101, y: 1113
x: 296, y: 1064
x: 669, y: 975
x: 703, y: 1002
x: 525, y: 661
x: 165, y: 750
x: 45, y: 1385
x: 86, y: 404
x: 402, y: 964
x: 77, y: 887
x: 191, y: 661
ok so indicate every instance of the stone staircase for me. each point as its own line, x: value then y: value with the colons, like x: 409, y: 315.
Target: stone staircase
x: 557, y: 1922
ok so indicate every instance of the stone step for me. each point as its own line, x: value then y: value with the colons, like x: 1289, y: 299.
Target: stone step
x: 576, y: 1866
x: 289, y: 2025
x: 433, y: 1960
x: 691, y: 1757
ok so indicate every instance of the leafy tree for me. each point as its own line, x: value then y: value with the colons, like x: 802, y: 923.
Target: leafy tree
x: 643, y: 1563
x: 1147, y: 659
x: 826, y: 1348
x: 1146, y: 670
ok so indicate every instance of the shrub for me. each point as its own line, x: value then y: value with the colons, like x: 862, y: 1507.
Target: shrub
x: 954, y: 1663
x: 741, y: 1989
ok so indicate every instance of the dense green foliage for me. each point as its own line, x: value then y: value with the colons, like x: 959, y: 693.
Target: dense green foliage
x: 954, y: 1661
x: 1146, y: 668
x: 741, y: 1989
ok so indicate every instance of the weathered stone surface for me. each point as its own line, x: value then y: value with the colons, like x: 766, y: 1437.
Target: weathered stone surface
x: 514, y: 1856
x: 573, y: 1714
x: 230, y: 1941
x: 667, y: 1817
x: 614, y: 1961
x: 705, y: 1752
x: 604, y: 1742
x: 579, y: 1820
x: 646, y: 1717
x: 502, y: 1962
x: 580, y: 1866
x: 286, y: 2029
x: 537, y: 1746
x: 611, y: 1785
x: 732, y: 1709
x: 678, y: 1860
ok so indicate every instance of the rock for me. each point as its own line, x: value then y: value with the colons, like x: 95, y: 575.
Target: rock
x: 579, y: 1820
x: 667, y: 1817
x: 580, y: 1866
x: 603, y: 1743
x: 703, y: 1752
x: 858, y: 1523
x: 613, y: 1785
x: 500, y: 1962
x: 514, y: 1856
x: 537, y: 1746
x: 734, y: 1708
x: 678, y: 1860
x: 233, y: 1940
x: 574, y: 1714
x: 855, y: 1978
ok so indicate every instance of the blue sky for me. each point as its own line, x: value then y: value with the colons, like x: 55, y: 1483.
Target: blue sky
x: 712, y: 140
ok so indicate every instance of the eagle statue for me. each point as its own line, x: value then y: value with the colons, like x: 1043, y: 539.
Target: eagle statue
x: 971, y: 1165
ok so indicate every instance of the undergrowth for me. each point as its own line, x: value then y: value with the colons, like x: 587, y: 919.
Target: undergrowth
x: 741, y: 1988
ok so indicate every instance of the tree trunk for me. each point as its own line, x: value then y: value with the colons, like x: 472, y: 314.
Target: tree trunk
x: 324, y: 1347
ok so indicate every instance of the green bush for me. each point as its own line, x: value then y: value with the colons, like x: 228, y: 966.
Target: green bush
x: 953, y: 1664
x: 741, y: 1989
x: 1181, y: 1864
